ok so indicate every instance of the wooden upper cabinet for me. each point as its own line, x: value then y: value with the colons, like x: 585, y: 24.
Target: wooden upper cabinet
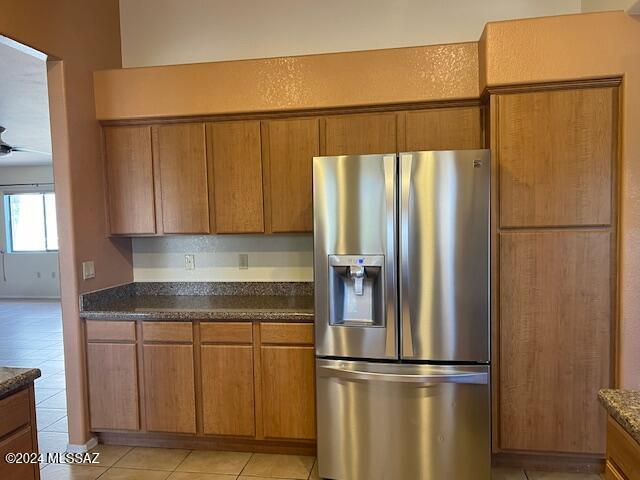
x: 183, y: 178
x: 289, y: 147
x: 360, y: 134
x: 236, y: 176
x: 555, y: 340
x: 443, y: 129
x: 556, y: 156
x: 129, y: 170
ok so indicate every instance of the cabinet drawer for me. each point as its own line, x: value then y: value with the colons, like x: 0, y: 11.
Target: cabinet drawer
x: 15, y: 411
x: 21, y: 441
x: 286, y: 333
x: 623, y: 452
x: 98, y: 330
x: 231, y: 332
x: 170, y: 332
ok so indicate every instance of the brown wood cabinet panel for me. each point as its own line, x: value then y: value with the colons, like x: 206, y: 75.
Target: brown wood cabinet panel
x: 288, y: 392
x: 227, y: 390
x: 168, y: 332
x: 622, y: 451
x: 183, y: 178
x: 443, y: 129
x: 114, y: 331
x: 612, y: 473
x: 292, y: 144
x: 113, y: 386
x: 129, y: 169
x: 555, y: 318
x: 556, y: 155
x: 360, y: 134
x: 15, y: 411
x: 236, y: 162
x: 287, y: 333
x: 226, y: 332
x: 169, y: 387
x: 20, y: 441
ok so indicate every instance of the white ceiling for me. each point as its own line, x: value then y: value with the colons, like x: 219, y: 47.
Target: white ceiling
x: 24, y: 105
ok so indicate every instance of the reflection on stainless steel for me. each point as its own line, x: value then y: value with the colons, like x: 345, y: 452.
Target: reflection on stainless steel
x: 444, y: 252
x: 354, y: 215
x: 395, y: 421
x: 379, y: 416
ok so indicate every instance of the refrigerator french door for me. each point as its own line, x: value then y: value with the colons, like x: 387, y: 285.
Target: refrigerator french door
x: 401, y: 266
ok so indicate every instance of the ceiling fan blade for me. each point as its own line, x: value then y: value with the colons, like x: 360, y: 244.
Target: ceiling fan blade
x: 29, y: 150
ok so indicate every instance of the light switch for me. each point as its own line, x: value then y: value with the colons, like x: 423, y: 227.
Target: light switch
x: 189, y: 261
x: 88, y: 270
x: 243, y: 261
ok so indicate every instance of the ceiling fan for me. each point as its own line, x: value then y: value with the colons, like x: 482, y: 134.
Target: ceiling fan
x: 6, y: 149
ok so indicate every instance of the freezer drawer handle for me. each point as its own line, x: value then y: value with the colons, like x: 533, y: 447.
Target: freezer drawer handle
x: 474, y: 378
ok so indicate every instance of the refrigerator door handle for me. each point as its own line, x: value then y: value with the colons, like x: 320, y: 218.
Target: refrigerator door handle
x: 406, y: 161
x: 479, y: 378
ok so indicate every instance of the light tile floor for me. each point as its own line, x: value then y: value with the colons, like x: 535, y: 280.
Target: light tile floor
x: 31, y: 336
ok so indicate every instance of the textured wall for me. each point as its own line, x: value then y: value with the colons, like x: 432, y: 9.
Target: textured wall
x: 316, y: 81
x: 586, y: 46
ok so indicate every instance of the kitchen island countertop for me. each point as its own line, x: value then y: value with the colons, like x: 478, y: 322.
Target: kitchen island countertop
x: 13, y: 379
x: 624, y: 407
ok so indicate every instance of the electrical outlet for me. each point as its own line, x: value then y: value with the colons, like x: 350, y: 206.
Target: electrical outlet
x: 243, y: 261
x: 88, y: 270
x: 53, y: 274
x: 189, y: 261
x: 39, y: 275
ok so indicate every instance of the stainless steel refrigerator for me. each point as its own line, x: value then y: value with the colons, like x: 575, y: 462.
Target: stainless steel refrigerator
x: 401, y: 266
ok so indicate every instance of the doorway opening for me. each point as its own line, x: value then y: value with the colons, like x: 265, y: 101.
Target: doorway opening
x: 30, y: 313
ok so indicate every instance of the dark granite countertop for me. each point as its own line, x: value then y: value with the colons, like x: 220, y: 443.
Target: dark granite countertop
x: 624, y: 406
x: 279, y: 302
x: 12, y: 379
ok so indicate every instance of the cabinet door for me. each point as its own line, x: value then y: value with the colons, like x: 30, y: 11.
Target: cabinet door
x: 360, y: 134
x: 183, y: 178
x: 129, y: 169
x: 556, y: 153
x: 236, y: 158
x: 291, y: 146
x: 227, y: 390
x: 20, y: 441
x: 288, y: 392
x: 170, y: 402
x: 113, y: 386
x: 555, y: 337
x: 443, y: 129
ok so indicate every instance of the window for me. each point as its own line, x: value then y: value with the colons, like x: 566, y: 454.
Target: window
x: 31, y: 222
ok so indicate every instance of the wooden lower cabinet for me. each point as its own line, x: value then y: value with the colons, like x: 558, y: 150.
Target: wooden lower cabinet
x: 623, y: 453
x: 18, y: 434
x: 180, y: 383
x: 288, y: 392
x: 113, y: 386
x: 228, y: 406
x: 169, y: 388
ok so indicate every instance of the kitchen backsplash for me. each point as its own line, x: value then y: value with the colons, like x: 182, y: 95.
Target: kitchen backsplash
x: 271, y: 258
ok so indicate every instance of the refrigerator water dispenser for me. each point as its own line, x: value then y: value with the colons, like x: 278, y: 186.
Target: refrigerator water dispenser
x: 356, y: 290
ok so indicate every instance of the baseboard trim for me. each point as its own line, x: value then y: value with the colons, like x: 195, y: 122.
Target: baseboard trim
x: 83, y: 447
x: 550, y: 462
x: 207, y: 443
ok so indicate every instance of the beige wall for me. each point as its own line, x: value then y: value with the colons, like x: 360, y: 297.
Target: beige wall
x: 438, y: 72
x: 163, y: 32
x: 85, y: 35
x: 602, y: 5
x: 560, y: 48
